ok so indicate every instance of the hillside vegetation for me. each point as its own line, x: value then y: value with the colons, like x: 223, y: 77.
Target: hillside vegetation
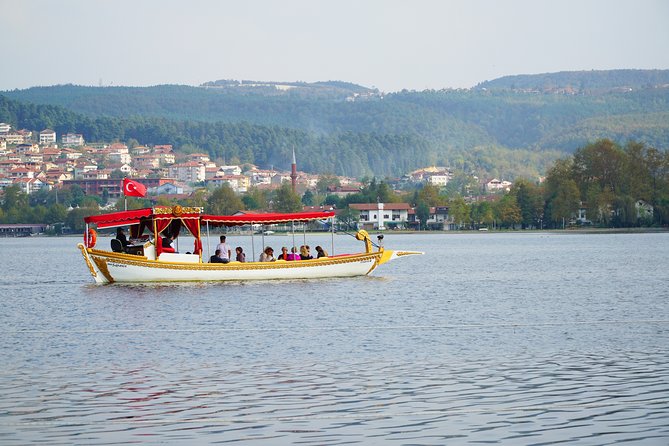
x: 508, y: 127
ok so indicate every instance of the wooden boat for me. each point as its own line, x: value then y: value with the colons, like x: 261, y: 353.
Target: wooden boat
x: 146, y: 260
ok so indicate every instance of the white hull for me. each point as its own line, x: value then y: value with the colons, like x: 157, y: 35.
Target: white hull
x: 108, y: 267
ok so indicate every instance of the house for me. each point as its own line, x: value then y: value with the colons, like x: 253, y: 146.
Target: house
x: 342, y: 191
x: 47, y: 136
x: 4, y: 128
x: 30, y: 185
x: 238, y: 183
x: 146, y: 161
x: 438, y: 218
x: 72, y: 140
x: 497, y: 185
x: 382, y: 215
x: 166, y: 189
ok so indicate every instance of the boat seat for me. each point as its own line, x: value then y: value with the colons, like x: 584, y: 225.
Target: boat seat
x: 116, y: 245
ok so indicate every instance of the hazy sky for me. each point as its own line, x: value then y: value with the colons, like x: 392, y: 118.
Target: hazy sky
x: 388, y: 44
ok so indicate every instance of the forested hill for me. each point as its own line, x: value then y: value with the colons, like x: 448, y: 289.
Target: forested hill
x: 495, y: 130
x: 582, y: 82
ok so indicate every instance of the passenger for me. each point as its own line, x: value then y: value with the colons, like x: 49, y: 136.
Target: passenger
x: 167, y: 243
x: 321, y: 252
x: 304, y: 253
x: 226, y: 252
x: 293, y: 254
x: 267, y: 255
x: 241, y: 257
x: 120, y: 236
x: 284, y: 254
x: 216, y: 258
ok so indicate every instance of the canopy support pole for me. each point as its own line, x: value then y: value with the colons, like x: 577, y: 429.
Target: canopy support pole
x: 208, y: 247
x: 332, y: 231
x: 292, y: 227
x: 253, y: 244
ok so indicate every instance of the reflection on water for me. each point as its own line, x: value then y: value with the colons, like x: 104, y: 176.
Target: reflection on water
x: 491, y: 338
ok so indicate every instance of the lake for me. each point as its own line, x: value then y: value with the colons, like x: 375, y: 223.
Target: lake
x: 495, y: 338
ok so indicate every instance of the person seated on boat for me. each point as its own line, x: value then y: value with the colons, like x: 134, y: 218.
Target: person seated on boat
x: 120, y: 236
x: 284, y: 254
x: 305, y: 254
x: 167, y: 243
x: 267, y: 255
x: 241, y: 257
x: 216, y: 258
x: 321, y: 252
x: 226, y: 252
x: 293, y: 254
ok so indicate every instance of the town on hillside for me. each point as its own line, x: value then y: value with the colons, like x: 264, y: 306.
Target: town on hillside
x: 36, y: 161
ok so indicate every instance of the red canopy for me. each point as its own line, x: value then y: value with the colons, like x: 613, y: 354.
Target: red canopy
x: 265, y: 219
x: 125, y: 218
x: 118, y: 218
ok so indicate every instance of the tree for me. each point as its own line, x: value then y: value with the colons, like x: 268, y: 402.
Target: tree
x: 530, y: 202
x: 429, y: 194
x: 308, y: 198
x: 423, y: 214
x: 482, y: 213
x: 285, y: 200
x: 224, y: 201
x: 508, y: 211
x: 255, y: 199
x: 349, y: 218
x: 459, y: 212
x: 566, y: 202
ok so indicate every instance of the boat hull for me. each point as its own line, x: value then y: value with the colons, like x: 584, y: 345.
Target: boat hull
x: 108, y: 267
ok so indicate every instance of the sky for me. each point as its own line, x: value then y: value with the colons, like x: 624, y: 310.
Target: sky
x: 386, y: 44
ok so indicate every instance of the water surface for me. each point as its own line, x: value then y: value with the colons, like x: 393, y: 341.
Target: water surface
x: 515, y: 338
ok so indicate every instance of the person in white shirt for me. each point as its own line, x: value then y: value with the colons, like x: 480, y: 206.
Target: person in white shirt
x: 226, y: 252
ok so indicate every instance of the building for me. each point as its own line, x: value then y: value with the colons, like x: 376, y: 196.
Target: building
x: 382, y: 215
x: 190, y: 172
x: 72, y: 140
x: 47, y: 136
x: 238, y: 183
x: 497, y: 185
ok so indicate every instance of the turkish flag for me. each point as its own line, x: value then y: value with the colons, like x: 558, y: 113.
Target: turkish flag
x: 133, y: 188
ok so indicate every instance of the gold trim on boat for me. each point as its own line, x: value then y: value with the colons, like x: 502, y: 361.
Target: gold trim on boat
x: 125, y: 259
x: 88, y: 260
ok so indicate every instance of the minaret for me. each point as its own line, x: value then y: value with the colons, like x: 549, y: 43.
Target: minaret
x: 293, y: 173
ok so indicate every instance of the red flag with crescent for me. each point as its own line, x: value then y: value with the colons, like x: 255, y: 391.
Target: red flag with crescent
x: 133, y: 188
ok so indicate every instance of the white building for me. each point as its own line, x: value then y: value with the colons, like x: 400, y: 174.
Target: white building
x: 72, y: 140
x: 379, y: 215
x: 190, y: 172
x: 497, y: 185
x: 47, y: 136
x: 238, y: 183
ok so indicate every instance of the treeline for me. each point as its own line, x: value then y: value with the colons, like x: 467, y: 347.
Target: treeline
x: 602, y: 185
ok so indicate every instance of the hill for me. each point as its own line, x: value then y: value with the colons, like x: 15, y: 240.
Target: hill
x: 505, y: 127
x: 581, y: 82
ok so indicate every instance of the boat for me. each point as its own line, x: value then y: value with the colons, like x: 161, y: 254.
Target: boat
x: 144, y: 260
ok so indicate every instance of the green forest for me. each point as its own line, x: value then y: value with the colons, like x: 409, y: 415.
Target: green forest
x: 335, y: 127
